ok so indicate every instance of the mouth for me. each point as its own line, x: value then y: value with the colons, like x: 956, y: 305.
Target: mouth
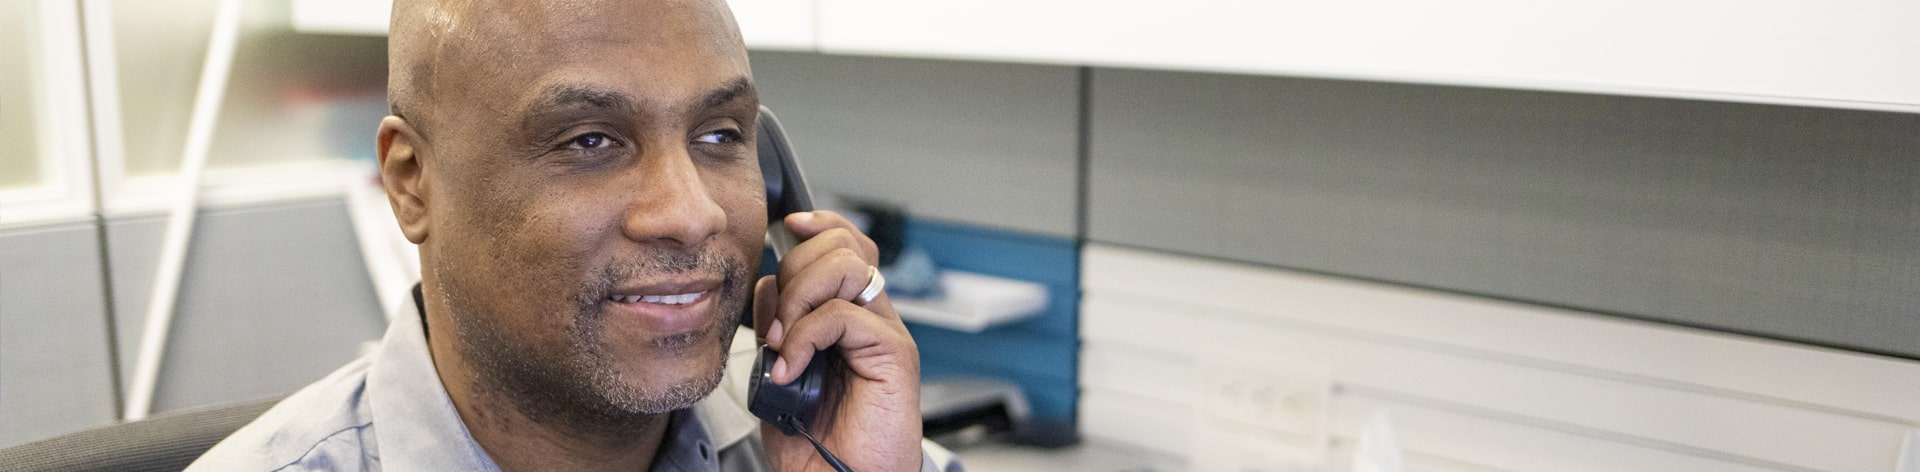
x: 681, y: 299
x: 666, y: 308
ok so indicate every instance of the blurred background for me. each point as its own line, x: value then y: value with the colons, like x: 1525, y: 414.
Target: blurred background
x: 1210, y: 235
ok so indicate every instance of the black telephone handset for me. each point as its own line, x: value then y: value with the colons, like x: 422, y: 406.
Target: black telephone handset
x: 793, y: 406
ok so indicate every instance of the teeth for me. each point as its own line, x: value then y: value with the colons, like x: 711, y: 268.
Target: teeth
x: 681, y: 299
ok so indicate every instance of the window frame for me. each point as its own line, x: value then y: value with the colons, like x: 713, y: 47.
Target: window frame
x: 63, y: 146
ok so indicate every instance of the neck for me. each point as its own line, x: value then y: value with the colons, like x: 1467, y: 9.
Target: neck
x: 518, y: 438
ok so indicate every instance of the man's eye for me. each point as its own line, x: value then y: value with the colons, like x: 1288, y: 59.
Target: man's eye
x: 725, y: 136
x: 592, y: 141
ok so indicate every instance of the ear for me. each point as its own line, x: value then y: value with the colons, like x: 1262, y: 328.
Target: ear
x: 403, y: 175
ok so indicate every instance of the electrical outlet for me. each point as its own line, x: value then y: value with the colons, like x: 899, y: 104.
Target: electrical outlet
x: 1271, y: 399
x: 1260, y: 412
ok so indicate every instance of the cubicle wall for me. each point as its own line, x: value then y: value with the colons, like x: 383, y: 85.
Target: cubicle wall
x: 1483, y: 216
x: 273, y: 297
x: 993, y: 145
x: 1232, y: 366
x: 1786, y: 222
x: 55, y: 374
x: 1515, y: 280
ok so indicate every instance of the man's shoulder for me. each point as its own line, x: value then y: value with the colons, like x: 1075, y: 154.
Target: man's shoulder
x: 324, y: 426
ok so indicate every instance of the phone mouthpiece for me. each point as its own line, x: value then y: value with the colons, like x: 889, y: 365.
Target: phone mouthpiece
x: 783, y: 405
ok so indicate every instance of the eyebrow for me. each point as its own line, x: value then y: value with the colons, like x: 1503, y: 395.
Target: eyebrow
x: 727, y: 93
x: 563, y: 99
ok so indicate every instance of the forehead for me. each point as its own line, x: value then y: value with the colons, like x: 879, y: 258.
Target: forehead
x: 505, y: 52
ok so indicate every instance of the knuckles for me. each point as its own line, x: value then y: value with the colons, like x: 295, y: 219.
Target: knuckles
x: 847, y: 256
x: 853, y: 240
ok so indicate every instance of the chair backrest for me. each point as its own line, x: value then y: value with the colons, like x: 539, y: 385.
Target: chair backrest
x: 167, y: 442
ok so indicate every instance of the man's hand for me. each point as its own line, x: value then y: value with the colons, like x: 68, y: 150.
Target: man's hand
x: 874, y: 424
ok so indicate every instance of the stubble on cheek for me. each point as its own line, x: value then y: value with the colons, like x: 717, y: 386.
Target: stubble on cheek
x: 580, y: 381
x: 511, y: 281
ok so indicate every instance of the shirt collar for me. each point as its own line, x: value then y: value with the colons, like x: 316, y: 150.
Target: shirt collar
x: 418, y: 428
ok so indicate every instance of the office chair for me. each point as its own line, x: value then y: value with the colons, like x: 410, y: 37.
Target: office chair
x: 165, y: 442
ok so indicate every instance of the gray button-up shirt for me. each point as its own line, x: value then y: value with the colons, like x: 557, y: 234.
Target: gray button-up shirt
x: 387, y: 410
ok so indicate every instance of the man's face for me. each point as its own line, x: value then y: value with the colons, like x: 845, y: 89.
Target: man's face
x: 595, y: 200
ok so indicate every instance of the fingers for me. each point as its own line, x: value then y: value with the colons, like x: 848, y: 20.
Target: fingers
x: 766, y: 302
x: 823, y: 231
x: 840, y: 275
x: 807, y: 307
x: 833, y: 260
x: 778, y: 307
x: 861, y: 336
x: 807, y: 224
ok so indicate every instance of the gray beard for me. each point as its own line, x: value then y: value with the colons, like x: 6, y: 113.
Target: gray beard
x: 579, y: 389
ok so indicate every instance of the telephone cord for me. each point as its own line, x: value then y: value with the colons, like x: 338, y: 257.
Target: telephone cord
x: 831, y: 459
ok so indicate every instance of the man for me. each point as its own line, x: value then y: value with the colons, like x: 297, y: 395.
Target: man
x: 581, y: 179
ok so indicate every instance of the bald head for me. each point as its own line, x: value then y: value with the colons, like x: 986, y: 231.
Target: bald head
x: 433, y: 44
x: 410, y: 40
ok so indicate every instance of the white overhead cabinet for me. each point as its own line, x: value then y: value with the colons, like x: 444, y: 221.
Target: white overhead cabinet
x: 1844, y: 54
x: 776, y: 24
x: 342, y: 16
x: 765, y: 24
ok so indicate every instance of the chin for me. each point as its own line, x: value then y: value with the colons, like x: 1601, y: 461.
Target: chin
x: 677, y: 365
x: 656, y: 386
x: 685, y: 367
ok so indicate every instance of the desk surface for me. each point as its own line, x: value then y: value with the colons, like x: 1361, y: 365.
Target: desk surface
x: 1090, y: 455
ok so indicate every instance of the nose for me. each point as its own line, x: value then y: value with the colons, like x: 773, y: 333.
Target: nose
x: 673, y: 204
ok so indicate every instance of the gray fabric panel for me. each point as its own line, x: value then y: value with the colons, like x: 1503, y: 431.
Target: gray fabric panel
x: 970, y: 142
x: 274, y: 297
x: 54, y: 370
x: 1790, y: 222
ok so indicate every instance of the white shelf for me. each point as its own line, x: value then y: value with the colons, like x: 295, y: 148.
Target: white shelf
x: 975, y: 302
